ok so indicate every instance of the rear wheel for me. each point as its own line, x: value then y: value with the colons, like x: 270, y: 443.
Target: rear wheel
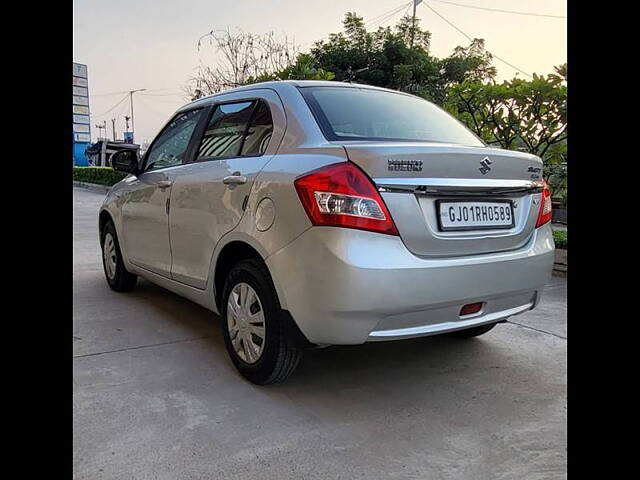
x: 117, y: 276
x: 253, y: 332
x: 473, y: 332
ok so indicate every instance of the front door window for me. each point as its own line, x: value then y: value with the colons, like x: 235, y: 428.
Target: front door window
x: 170, y: 148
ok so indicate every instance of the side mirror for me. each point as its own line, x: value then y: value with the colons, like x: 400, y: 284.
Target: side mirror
x: 125, y: 161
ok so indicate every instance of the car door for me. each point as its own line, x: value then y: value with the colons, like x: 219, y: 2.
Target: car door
x: 145, y: 210
x: 208, y: 196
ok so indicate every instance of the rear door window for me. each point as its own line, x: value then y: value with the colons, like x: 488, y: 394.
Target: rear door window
x: 226, y: 129
x: 259, y: 132
x: 240, y: 129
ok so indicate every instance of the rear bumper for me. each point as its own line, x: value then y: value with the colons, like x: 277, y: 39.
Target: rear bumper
x: 349, y: 286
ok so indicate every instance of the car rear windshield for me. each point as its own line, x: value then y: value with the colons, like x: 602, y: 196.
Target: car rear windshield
x: 349, y: 113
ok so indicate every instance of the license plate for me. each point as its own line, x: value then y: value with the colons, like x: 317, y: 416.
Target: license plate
x: 475, y: 215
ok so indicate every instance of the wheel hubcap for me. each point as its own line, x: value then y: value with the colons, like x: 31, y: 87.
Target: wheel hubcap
x: 245, y: 322
x: 109, y: 256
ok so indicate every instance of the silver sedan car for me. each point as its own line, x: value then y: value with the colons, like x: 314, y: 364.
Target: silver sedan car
x: 312, y: 213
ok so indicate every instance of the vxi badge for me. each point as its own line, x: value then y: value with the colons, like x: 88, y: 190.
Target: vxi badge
x: 484, y: 165
x: 404, y: 165
x: 535, y: 172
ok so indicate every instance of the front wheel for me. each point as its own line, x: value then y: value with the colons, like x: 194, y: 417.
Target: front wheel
x: 118, y: 278
x: 253, y: 333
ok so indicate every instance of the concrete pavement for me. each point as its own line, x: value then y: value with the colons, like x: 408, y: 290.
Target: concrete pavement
x: 155, y: 396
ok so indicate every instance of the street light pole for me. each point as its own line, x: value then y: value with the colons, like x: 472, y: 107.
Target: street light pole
x: 100, y: 128
x: 131, y: 92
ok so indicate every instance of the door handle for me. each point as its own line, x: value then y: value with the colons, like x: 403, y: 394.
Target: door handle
x: 162, y: 184
x: 235, y: 179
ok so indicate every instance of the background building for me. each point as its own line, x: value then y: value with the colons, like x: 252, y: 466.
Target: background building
x: 81, y: 119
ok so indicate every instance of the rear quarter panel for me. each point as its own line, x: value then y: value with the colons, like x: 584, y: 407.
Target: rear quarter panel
x: 275, y: 182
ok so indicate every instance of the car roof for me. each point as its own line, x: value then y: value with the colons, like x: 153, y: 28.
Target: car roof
x: 279, y: 85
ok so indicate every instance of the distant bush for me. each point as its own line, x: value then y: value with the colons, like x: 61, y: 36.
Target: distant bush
x: 98, y: 175
x: 556, y: 176
x: 560, y: 237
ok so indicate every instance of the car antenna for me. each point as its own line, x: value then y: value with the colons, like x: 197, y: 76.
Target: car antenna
x: 352, y: 73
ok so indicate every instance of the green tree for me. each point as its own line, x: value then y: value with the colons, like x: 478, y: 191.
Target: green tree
x: 399, y: 58
x: 302, y: 69
x: 529, y: 115
x: 472, y: 63
x: 347, y: 52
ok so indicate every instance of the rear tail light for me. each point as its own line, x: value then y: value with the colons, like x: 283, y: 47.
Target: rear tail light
x: 341, y: 195
x: 544, y: 215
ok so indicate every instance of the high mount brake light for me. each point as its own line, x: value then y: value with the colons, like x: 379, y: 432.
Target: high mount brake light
x: 341, y: 195
x: 545, y: 212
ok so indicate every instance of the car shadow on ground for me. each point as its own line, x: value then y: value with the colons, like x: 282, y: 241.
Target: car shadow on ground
x: 375, y: 368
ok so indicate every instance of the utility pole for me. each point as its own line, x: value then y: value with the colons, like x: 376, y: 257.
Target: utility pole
x: 413, y: 21
x: 131, y: 92
x: 113, y: 125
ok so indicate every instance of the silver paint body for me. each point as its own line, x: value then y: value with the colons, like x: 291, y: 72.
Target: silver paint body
x: 341, y: 286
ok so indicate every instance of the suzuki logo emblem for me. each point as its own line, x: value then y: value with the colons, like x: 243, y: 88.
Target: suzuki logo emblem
x: 484, y: 165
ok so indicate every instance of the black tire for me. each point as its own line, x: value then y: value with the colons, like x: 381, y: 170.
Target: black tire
x: 473, y: 332
x: 122, y: 280
x: 278, y: 359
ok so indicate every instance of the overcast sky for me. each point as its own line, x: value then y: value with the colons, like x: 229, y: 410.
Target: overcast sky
x: 152, y: 44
